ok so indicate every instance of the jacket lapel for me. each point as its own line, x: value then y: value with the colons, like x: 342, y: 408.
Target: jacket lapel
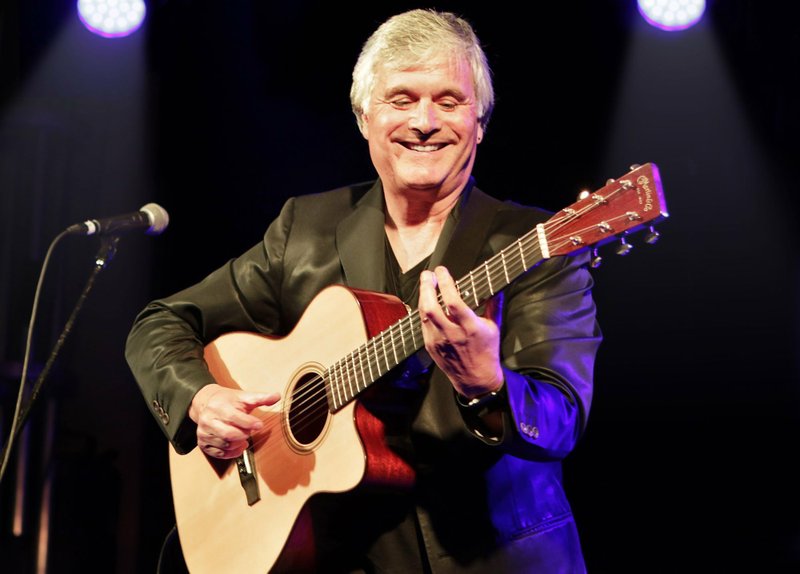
x: 360, y: 242
x: 465, y: 232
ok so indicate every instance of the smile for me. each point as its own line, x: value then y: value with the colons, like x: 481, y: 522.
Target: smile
x: 424, y: 147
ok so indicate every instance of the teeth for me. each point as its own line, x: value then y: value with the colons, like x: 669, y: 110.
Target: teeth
x: 424, y: 147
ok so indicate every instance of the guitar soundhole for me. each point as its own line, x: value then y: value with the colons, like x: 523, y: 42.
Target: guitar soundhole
x: 308, y: 412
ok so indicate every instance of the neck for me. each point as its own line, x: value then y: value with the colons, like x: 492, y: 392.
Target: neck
x: 411, y: 210
x: 413, y: 227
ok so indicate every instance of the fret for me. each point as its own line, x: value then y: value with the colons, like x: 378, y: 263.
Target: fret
x: 334, y: 395
x: 385, y: 354
x: 394, y: 349
x: 474, y: 292
x: 488, y: 276
x: 329, y: 388
x: 340, y: 383
x: 342, y: 379
x: 402, y: 337
x: 357, y: 371
x: 351, y: 359
x: 505, y: 269
x: 326, y: 385
x: 413, y: 334
x: 372, y: 376
x: 361, y: 366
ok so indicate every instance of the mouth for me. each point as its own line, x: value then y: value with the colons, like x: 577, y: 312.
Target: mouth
x: 423, y: 148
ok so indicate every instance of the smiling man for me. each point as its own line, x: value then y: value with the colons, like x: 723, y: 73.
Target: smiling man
x: 473, y: 426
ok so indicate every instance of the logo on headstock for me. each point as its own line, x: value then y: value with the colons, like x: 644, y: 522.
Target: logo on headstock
x: 644, y: 184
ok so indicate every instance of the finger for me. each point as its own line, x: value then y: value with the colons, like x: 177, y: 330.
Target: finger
x: 428, y: 306
x: 225, y: 453
x: 233, y: 424
x: 233, y: 418
x: 221, y: 434
x: 215, y: 441
x: 453, y: 305
x: 255, y: 400
x: 249, y: 420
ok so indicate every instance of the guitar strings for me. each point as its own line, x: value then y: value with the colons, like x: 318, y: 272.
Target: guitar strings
x: 307, y: 402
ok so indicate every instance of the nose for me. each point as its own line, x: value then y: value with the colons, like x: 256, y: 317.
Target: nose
x: 424, y: 117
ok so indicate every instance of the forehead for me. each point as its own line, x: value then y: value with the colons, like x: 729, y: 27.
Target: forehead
x: 441, y: 70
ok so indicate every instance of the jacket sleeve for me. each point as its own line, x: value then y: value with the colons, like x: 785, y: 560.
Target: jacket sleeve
x: 550, y: 338
x: 164, y: 349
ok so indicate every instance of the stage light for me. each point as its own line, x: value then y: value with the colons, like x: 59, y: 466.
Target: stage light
x: 672, y: 15
x: 111, y: 18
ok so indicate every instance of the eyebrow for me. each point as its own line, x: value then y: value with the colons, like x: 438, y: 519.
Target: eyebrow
x: 401, y: 89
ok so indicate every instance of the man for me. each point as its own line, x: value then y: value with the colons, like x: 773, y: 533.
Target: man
x: 508, y: 391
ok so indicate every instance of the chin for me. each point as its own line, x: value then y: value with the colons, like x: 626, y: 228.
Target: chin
x: 427, y: 186
x: 422, y: 179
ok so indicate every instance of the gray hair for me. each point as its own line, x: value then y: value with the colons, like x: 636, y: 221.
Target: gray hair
x: 411, y: 37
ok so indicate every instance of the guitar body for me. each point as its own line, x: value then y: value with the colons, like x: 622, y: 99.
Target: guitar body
x: 303, y: 449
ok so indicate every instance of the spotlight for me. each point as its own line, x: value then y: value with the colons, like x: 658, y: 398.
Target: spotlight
x: 672, y: 15
x: 111, y: 18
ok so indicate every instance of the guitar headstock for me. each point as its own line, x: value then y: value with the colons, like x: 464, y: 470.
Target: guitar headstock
x: 621, y: 207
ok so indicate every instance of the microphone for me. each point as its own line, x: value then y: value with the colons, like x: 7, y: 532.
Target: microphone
x: 151, y: 217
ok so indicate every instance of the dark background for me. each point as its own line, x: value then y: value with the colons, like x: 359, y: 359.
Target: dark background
x: 219, y: 111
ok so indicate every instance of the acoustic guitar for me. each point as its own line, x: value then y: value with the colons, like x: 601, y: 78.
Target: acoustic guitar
x: 248, y: 515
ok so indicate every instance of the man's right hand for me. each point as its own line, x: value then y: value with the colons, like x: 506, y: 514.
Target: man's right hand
x: 224, y: 419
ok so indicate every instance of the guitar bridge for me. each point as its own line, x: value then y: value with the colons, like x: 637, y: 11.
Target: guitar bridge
x: 246, y: 466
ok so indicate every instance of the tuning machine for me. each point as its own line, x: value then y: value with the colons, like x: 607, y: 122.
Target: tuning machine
x: 596, y: 260
x: 624, y: 247
x: 652, y: 236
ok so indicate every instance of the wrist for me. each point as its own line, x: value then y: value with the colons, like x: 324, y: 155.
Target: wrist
x: 200, y: 400
x: 478, y: 401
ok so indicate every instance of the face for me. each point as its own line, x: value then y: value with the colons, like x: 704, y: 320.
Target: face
x: 422, y: 128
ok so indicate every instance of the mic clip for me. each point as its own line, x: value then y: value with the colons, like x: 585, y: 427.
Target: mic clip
x: 107, y: 251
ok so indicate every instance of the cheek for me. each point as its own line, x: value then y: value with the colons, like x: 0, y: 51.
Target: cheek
x: 376, y: 126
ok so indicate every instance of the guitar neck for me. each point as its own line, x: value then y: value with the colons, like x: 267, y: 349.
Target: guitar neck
x: 352, y: 374
x: 620, y: 207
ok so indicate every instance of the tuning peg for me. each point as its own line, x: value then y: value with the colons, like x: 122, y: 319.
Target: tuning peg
x: 635, y: 166
x: 610, y: 180
x: 596, y: 259
x: 652, y: 236
x: 624, y: 247
x: 584, y: 194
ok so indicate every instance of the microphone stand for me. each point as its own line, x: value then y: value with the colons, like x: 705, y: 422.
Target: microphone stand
x: 106, y: 252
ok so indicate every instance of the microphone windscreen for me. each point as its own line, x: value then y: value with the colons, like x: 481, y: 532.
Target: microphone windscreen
x: 158, y: 216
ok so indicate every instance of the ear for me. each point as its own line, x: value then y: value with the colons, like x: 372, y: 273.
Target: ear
x: 480, y: 133
x: 365, y: 126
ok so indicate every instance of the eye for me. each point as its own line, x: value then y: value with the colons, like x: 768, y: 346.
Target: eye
x: 448, y: 105
x: 401, y: 103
